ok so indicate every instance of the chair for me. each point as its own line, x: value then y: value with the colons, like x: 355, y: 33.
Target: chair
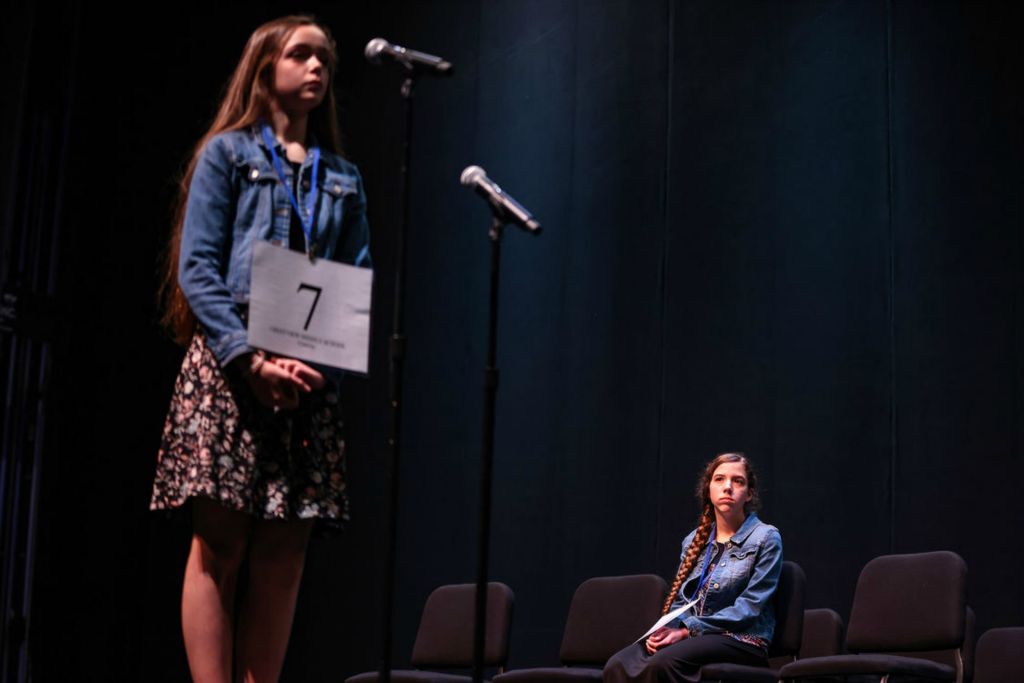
x: 789, y: 628
x: 606, y: 614
x: 444, y: 639
x: 950, y: 657
x: 999, y: 657
x: 824, y: 634
x: 904, y: 606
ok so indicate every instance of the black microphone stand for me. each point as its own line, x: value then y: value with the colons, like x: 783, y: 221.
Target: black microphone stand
x: 487, y: 457
x: 397, y: 352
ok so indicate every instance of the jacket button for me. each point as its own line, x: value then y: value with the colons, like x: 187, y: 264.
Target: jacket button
x: 337, y: 188
x: 715, y: 585
x: 254, y: 174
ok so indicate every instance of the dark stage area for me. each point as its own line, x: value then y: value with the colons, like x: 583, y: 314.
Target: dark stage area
x: 789, y: 228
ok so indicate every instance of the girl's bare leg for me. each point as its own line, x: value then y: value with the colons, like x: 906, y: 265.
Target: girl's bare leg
x: 207, y: 602
x: 277, y: 552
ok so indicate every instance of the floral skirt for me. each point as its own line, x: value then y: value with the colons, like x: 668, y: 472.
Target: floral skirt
x: 220, y: 443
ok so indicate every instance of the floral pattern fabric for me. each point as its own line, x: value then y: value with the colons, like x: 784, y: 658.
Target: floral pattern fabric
x: 220, y: 443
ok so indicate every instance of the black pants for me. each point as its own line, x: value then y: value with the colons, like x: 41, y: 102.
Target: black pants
x: 679, y: 662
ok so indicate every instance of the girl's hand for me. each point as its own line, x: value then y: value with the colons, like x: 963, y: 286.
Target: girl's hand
x: 273, y: 386
x: 304, y: 377
x: 664, y: 637
x: 276, y: 382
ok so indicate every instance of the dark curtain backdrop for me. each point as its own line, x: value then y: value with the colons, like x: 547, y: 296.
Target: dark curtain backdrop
x: 788, y: 228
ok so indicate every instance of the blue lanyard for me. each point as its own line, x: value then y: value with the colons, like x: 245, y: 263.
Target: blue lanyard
x: 704, y: 569
x: 307, y: 225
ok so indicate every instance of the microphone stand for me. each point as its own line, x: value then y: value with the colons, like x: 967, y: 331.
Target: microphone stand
x: 487, y: 456
x: 397, y: 353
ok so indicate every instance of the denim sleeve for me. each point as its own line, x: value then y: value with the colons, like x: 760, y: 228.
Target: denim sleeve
x: 738, y: 617
x: 205, y: 245
x: 355, y: 231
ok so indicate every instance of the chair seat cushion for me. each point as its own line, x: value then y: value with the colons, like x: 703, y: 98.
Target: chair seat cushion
x: 410, y: 676
x: 868, y: 664
x: 555, y: 674
x: 735, y: 673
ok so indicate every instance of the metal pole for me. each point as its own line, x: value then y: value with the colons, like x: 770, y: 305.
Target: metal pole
x: 397, y: 352
x: 487, y: 457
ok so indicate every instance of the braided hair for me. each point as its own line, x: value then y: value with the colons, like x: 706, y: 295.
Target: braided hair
x: 707, y: 518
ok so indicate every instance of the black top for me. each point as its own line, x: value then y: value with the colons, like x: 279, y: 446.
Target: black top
x: 296, y: 237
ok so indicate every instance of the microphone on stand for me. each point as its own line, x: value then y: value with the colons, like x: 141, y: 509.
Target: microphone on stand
x: 503, y: 205
x: 410, y: 59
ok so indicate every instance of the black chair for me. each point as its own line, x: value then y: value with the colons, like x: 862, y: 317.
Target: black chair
x: 1000, y: 656
x: 445, y: 636
x: 904, y: 606
x: 789, y: 626
x: 824, y: 634
x: 606, y: 614
x: 954, y: 658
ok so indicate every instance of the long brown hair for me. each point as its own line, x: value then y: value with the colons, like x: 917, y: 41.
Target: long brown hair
x: 707, y: 517
x: 246, y: 101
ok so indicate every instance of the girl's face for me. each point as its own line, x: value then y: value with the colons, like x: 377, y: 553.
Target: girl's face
x: 729, y: 489
x: 300, y: 72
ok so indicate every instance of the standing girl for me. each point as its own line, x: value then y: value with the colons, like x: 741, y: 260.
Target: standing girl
x: 729, y: 569
x: 252, y: 441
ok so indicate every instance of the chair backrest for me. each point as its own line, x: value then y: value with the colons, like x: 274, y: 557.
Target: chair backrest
x: 824, y: 633
x: 909, y: 603
x: 445, y: 635
x: 608, y: 613
x: 1000, y: 656
x: 789, y: 611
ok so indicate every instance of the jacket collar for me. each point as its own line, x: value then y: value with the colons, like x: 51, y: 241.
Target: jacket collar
x: 748, y: 526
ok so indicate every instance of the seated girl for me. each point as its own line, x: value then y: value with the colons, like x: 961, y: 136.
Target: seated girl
x: 729, y: 569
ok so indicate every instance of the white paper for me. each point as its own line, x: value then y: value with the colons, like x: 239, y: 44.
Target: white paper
x: 316, y: 311
x: 665, y: 619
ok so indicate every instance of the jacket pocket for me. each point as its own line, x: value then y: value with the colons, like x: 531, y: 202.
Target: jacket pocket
x: 338, y: 185
x: 740, y: 561
x: 742, y: 553
x: 338, y: 192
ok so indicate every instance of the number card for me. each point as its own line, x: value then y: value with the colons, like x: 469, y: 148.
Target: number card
x: 316, y: 311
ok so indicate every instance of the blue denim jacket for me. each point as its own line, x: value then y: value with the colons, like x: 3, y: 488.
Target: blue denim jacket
x: 740, y: 590
x: 235, y: 198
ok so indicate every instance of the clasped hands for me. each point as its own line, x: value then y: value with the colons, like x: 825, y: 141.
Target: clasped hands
x: 278, y: 382
x: 664, y: 637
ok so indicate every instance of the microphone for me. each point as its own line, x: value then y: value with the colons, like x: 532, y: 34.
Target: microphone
x: 504, y: 206
x: 410, y: 59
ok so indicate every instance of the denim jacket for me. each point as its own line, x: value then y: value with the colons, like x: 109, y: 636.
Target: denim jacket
x: 740, y: 589
x: 236, y: 198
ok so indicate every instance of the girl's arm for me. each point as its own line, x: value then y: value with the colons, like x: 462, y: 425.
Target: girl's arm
x: 764, y: 577
x: 205, y: 245
x: 355, y: 230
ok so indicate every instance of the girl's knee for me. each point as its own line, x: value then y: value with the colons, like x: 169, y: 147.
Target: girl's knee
x: 667, y: 663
